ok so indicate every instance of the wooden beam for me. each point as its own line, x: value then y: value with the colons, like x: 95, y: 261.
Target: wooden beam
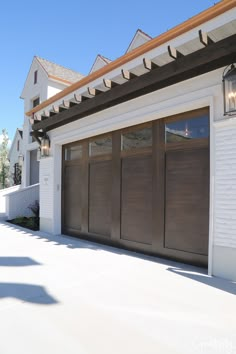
x: 93, y: 91
x: 109, y: 83
x: 149, y: 65
x: 174, y: 53
x: 127, y: 75
x: 37, y: 135
x: 45, y: 115
x: 202, y: 61
x: 204, y: 38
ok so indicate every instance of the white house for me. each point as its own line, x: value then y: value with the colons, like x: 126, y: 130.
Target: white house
x: 16, y: 150
x: 142, y: 156
x: 44, y: 80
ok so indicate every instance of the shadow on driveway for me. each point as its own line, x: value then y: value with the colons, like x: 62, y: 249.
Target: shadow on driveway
x: 17, y: 262
x: 215, y: 282
x: 26, y: 292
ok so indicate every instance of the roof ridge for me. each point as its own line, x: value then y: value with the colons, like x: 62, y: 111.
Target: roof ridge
x: 105, y: 58
x: 141, y: 31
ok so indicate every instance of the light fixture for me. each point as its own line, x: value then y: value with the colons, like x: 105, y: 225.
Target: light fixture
x: 45, y: 145
x: 20, y: 159
x: 39, y: 154
x: 229, y: 90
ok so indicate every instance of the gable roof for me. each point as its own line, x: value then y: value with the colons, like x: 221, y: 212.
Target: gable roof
x: 58, y: 72
x: 99, y: 62
x: 16, y: 136
x: 20, y: 132
x: 139, y: 38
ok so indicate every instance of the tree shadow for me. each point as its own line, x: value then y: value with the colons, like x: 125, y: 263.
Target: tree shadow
x: 26, y: 292
x: 218, y: 283
x: 17, y: 262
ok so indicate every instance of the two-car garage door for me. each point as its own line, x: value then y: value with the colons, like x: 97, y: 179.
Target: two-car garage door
x: 144, y: 188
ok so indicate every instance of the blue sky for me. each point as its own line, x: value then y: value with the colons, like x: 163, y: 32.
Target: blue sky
x: 71, y: 34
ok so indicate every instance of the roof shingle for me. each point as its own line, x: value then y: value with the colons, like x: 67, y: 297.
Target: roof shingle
x: 59, y: 71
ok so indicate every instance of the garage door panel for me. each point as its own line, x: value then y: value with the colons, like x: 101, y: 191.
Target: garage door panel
x: 136, y: 199
x: 72, y: 197
x: 100, y: 179
x: 187, y: 200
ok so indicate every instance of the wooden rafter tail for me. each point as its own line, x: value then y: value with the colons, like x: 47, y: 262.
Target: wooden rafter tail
x: 109, y: 83
x: 32, y: 120
x: 93, y: 91
x: 174, y: 53
x: 80, y: 98
x: 36, y: 117
x: 65, y: 104
x: 55, y: 109
x: 149, y: 65
x: 204, y: 38
x: 45, y: 115
x: 127, y: 75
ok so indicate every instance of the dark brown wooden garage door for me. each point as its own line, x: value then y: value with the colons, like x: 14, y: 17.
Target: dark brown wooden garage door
x: 144, y: 188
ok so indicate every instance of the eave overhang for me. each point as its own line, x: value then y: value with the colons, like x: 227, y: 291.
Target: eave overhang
x: 209, y: 58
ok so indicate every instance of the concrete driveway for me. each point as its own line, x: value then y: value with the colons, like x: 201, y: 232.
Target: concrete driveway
x: 65, y: 296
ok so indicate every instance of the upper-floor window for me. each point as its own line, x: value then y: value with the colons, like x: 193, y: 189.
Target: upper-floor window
x: 35, y: 76
x: 18, y: 145
x: 35, y: 102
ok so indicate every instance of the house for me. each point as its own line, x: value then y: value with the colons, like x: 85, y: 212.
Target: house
x: 143, y: 155
x: 44, y: 80
x: 15, y: 152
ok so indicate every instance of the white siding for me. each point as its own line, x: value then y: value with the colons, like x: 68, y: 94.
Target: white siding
x: 46, y: 188
x: 225, y: 184
x: 14, y: 154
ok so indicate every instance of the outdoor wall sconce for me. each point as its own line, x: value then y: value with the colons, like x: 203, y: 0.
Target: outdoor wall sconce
x: 229, y: 90
x: 20, y: 160
x: 45, y: 145
x: 39, y: 154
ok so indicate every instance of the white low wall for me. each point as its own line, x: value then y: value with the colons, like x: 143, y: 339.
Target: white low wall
x: 3, y: 193
x: 17, y: 202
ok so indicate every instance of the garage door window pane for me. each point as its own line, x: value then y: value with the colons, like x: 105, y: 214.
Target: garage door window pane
x: 100, y: 146
x: 73, y: 153
x: 187, y: 129
x: 136, y: 139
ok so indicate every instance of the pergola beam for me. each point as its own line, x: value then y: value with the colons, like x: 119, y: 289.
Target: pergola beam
x: 204, y: 38
x: 202, y: 61
x: 109, y: 83
x: 127, y: 75
x: 174, y: 53
x: 93, y: 91
x: 149, y: 65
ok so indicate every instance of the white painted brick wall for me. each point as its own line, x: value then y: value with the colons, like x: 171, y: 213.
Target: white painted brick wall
x: 225, y: 184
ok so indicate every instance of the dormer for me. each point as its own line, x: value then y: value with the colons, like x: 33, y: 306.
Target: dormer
x: 139, y: 38
x: 99, y: 63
